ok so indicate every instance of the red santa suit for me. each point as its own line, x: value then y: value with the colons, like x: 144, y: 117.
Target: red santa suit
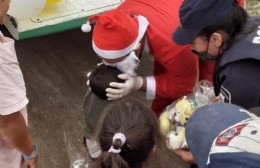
x: 175, y: 67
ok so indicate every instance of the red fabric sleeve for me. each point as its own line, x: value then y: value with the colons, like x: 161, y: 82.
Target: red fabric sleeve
x: 178, y: 76
x: 206, y: 70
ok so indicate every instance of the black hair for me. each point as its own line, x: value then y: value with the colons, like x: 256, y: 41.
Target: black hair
x: 140, y: 127
x: 233, y: 24
x: 101, y: 77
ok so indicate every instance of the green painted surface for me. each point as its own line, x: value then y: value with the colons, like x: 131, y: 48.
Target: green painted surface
x: 76, y: 23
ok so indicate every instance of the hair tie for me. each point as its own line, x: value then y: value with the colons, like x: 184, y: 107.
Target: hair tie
x: 123, y: 140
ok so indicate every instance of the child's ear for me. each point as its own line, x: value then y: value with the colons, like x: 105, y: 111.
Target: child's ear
x: 216, y: 39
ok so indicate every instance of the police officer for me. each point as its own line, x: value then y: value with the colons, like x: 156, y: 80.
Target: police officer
x: 221, y: 30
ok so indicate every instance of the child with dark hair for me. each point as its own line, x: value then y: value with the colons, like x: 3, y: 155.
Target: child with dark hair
x: 95, y: 101
x: 128, y: 133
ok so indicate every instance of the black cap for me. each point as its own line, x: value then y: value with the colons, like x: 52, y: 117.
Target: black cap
x: 196, y: 15
x: 101, y: 77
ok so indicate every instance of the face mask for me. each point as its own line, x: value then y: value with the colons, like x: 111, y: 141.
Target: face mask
x: 128, y: 65
x: 204, y: 55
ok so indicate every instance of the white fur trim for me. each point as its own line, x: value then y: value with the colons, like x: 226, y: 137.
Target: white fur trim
x: 112, y: 54
x: 86, y: 27
x: 151, y: 87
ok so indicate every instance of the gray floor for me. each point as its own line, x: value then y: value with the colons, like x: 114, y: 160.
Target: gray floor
x: 55, y: 68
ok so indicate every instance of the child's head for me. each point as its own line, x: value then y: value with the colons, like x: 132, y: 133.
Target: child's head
x: 128, y: 133
x: 4, y: 6
x: 101, y: 77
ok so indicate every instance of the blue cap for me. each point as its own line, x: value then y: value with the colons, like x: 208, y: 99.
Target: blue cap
x: 218, y: 136
x: 196, y: 15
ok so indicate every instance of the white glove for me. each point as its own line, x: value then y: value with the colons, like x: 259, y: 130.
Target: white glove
x: 122, y: 89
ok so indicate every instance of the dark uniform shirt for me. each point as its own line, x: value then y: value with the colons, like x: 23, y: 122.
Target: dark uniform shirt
x: 237, y: 74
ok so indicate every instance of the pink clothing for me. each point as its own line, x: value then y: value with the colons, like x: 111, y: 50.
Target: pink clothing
x: 175, y: 67
x: 12, y: 97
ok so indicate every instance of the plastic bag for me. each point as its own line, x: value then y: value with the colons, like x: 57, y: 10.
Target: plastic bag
x: 204, y: 93
x: 77, y: 153
x: 174, y: 118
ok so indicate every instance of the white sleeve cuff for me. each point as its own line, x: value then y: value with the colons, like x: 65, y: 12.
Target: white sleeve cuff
x: 150, y: 88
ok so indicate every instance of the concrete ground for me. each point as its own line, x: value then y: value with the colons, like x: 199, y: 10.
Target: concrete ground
x: 55, y: 68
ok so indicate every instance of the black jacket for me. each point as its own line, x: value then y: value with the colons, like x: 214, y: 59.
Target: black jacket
x: 237, y: 73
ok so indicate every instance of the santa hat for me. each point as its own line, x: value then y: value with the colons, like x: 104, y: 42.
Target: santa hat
x: 116, y: 33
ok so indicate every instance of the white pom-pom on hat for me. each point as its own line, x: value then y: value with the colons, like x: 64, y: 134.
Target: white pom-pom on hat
x: 86, y: 27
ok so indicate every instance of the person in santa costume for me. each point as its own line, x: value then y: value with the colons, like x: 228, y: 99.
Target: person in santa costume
x: 122, y: 35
